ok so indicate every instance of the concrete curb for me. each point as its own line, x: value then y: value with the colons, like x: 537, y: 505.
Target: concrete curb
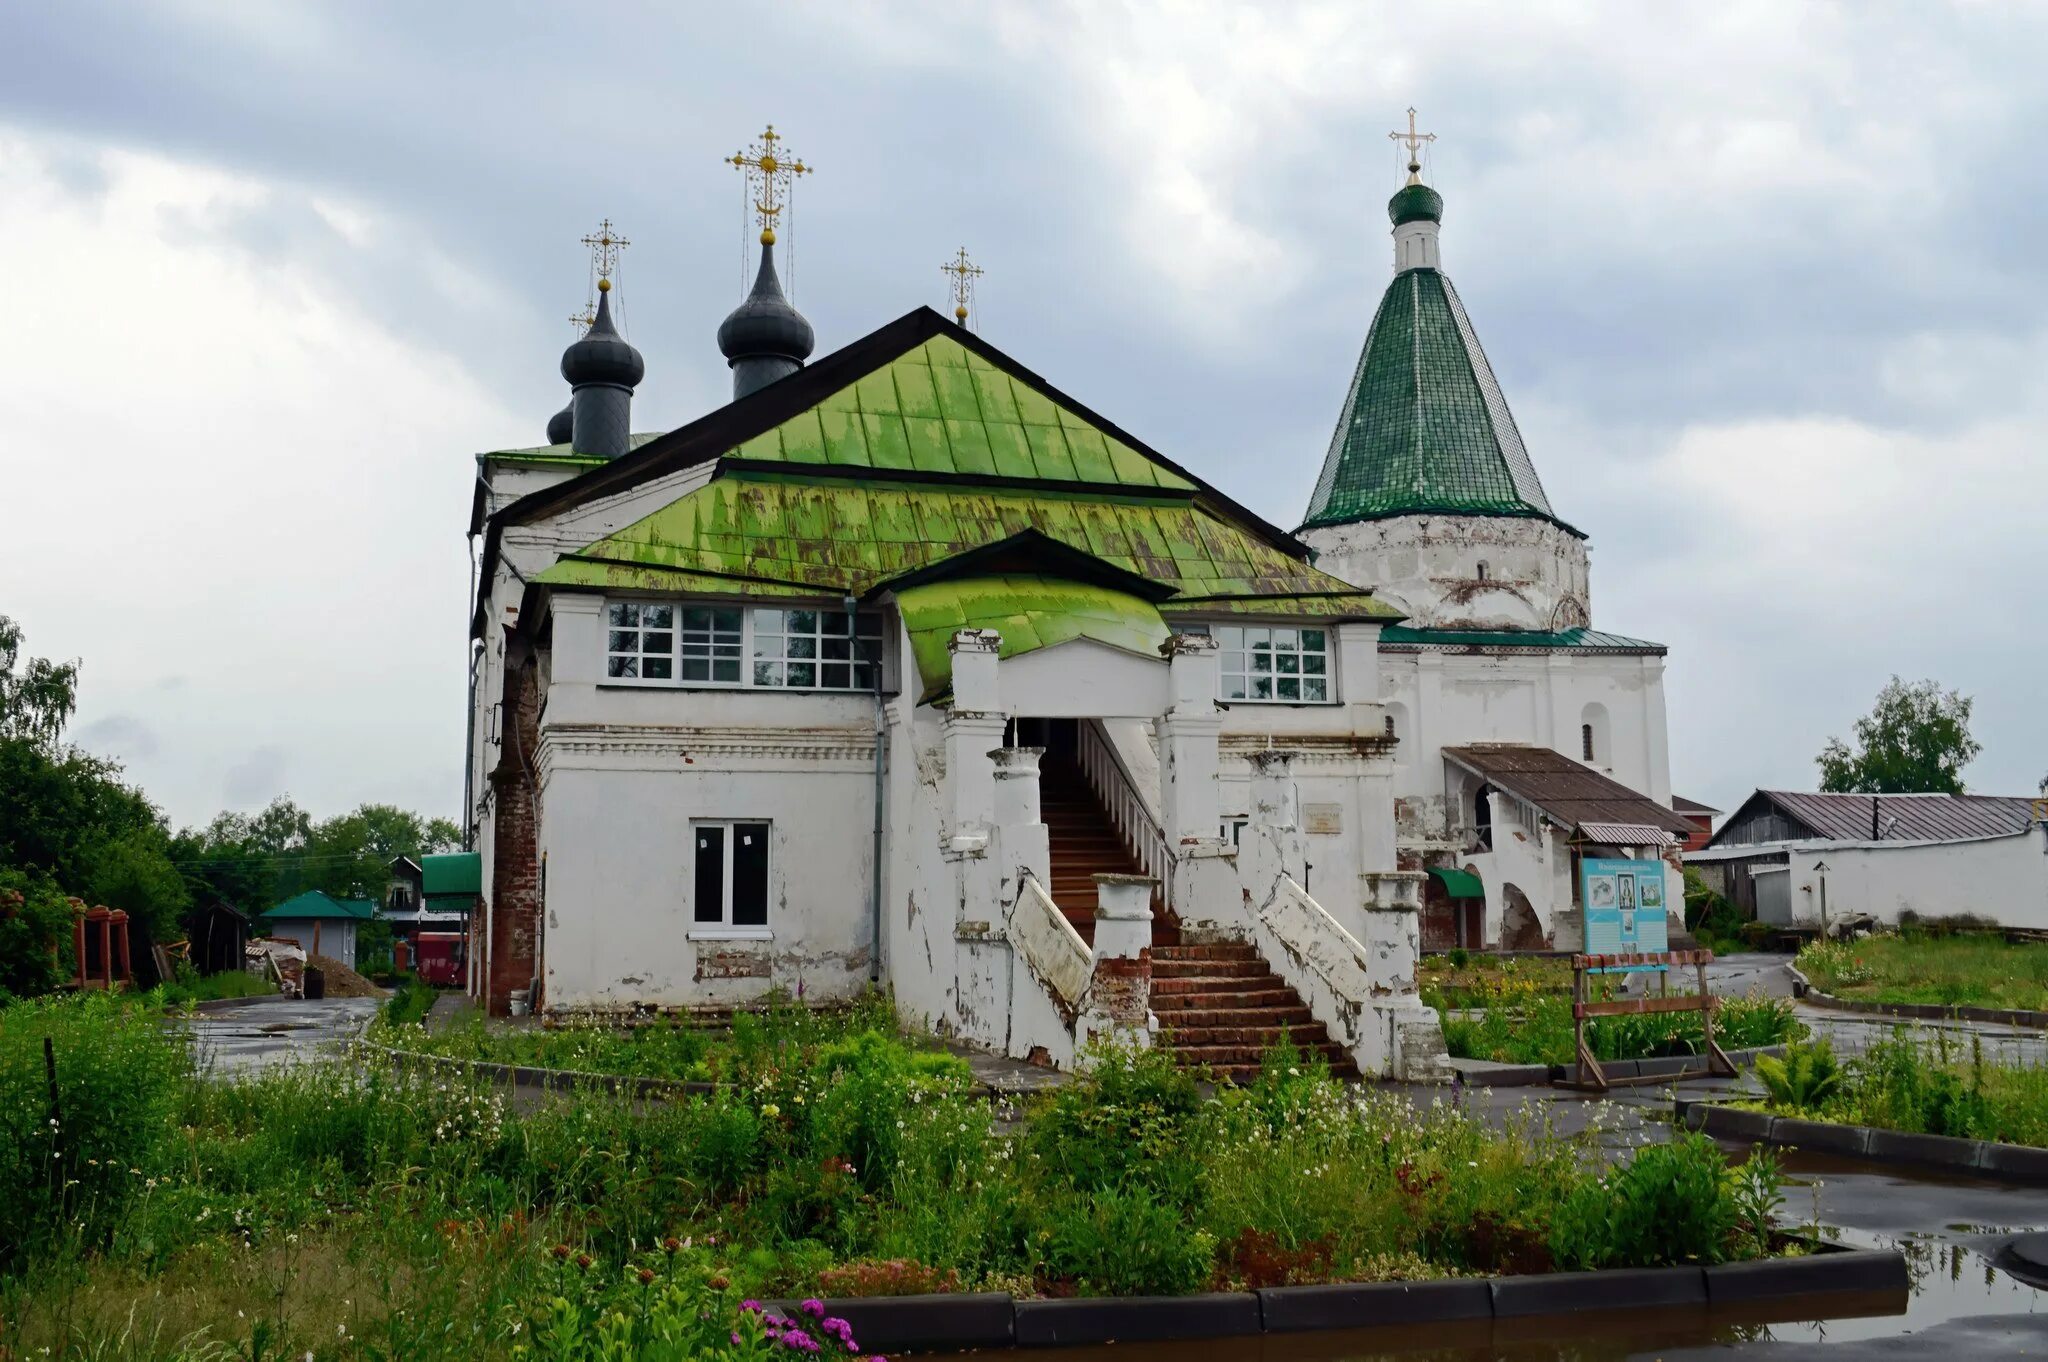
x: 994, y: 1320
x: 229, y: 1004
x: 1984, y: 1158
x: 1995, y: 1016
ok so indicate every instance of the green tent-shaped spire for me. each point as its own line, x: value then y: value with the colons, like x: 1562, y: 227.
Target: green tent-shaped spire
x: 1425, y: 428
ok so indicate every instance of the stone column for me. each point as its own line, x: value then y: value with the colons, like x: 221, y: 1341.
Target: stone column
x: 1020, y: 837
x: 1273, y: 846
x: 1118, y: 1003
x: 1204, y: 892
x: 972, y: 727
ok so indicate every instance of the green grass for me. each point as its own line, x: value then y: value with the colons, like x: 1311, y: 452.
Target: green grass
x: 1919, y: 967
x: 353, y: 1213
x: 189, y: 987
x: 1928, y: 1086
x: 1539, y: 1030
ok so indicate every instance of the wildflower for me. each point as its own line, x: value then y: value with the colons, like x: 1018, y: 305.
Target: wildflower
x: 719, y: 1282
x: 583, y: 1261
x: 671, y: 1244
x: 560, y: 1251
x: 646, y: 1277
x: 814, y: 1307
x: 770, y: 1110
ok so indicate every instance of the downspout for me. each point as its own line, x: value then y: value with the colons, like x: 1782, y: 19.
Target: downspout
x: 875, y: 854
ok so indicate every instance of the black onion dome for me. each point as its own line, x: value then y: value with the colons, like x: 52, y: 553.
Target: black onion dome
x: 562, y: 425
x: 603, y: 355
x: 765, y: 324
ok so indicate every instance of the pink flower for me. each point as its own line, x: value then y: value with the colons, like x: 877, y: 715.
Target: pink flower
x: 814, y: 1308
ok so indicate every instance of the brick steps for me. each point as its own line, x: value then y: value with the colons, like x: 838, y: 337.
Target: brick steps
x: 1084, y: 844
x: 1220, y: 1007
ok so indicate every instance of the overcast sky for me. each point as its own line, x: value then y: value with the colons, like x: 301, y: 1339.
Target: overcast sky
x: 1765, y: 284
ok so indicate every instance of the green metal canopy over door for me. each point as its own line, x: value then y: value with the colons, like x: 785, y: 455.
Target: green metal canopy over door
x: 1458, y: 884
x: 1030, y: 612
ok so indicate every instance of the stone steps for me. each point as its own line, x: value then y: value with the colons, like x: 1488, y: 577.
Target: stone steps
x: 1219, y: 1007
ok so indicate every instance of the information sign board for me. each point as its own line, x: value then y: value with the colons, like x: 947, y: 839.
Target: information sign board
x: 1624, y: 906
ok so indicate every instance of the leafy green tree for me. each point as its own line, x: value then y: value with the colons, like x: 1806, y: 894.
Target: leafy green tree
x: 37, y: 697
x: 1916, y: 740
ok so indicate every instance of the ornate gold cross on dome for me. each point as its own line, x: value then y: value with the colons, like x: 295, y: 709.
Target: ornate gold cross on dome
x: 605, y: 244
x: 585, y: 319
x: 964, y: 272
x: 1415, y: 141
x: 771, y: 176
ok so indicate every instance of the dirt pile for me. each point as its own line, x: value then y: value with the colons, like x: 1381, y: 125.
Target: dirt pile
x: 343, y: 982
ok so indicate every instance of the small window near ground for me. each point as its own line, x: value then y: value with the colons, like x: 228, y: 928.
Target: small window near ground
x: 730, y: 879
x: 1275, y: 663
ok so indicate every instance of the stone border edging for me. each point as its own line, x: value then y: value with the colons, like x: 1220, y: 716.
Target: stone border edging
x: 230, y: 1004
x: 1676, y: 1067
x: 997, y: 1320
x: 1803, y: 988
x: 1981, y: 1158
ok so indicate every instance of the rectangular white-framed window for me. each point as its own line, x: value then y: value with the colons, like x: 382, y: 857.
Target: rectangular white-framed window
x: 729, y: 877
x: 640, y: 640
x: 1274, y: 663
x: 684, y: 643
x: 810, y: 649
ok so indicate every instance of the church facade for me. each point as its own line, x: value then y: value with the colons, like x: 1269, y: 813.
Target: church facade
x: 907, y: 669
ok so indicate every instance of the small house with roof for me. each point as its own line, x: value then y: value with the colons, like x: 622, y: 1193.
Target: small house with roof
x: 1803, y: 861
x: 319, y: 924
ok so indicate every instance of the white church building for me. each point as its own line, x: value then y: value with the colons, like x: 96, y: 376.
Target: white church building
x: 905, y: 668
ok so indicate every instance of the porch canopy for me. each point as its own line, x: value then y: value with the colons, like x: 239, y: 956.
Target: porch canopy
x: 1592, y: 806
x: 1458, y: 884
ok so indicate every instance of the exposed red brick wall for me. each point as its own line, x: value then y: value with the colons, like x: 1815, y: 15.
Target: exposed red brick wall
x: 515, y: 863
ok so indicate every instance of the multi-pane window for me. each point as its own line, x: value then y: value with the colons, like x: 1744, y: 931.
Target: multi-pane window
x: 712, y: 644
x: 815, y: 649
x: 730, y: 874
x: 705, y: 645
x: 1275, y: 662
x: 643, y: 640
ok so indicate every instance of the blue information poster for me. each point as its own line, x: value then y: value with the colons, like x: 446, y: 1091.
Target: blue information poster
x: 1624, y: 907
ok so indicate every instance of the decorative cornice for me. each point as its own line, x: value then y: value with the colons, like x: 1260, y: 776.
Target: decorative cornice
x: 1307, y: 749
x: 641, y: 745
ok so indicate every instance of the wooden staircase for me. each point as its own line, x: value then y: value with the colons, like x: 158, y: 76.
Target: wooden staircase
x: 1085, y: 844
x: 1219, y: 1007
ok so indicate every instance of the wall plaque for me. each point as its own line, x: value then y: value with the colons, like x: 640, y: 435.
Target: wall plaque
x: 1322, y: 819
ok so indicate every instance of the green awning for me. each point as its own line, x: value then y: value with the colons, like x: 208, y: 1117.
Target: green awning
x: 1458, y: 884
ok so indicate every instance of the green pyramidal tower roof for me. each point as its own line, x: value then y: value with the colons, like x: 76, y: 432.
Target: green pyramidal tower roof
x: 1425, y: 428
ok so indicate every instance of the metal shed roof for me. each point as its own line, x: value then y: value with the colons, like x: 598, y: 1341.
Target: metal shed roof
x: 1898, y: 817
x: 1570, y: 792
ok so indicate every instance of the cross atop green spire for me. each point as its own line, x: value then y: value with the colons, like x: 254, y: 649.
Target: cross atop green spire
x: 1425, y: 427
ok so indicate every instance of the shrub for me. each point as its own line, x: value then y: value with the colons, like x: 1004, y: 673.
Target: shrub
x: 1672, y: 1204
x: 410, y: 1004
x: 1130, y: 1120
x: 1124, y: 1241
x: 888, y: 1277
x: 72, y: 1171
x: 1804, y: 1080
x: 35, y: 935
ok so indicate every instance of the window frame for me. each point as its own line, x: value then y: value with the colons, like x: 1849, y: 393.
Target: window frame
x: 868, y: 625
x: 1327, y: 653
x: 724, y: 928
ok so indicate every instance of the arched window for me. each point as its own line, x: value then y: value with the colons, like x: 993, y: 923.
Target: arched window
x: 1390, y: 725
x: 1586, y: 741
x: 1596, y: 738
x: 1482, y: 570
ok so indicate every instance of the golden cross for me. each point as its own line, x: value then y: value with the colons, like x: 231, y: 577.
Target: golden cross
x: 964, y: 272
x: 583, y: 320
x: 771, y: 176
x: 1415, y: 141
x: 605, y: 244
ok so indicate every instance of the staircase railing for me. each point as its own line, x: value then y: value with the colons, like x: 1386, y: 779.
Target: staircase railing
x: 1110, y: 779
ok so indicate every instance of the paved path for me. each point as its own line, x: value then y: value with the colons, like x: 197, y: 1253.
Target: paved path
x: 276, y: 1031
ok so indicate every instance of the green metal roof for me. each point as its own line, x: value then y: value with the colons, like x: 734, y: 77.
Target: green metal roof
x: 1565, y: 640
x: 1459, y: 884
x: 755, y: 533
x: 315, y: 904
x: 1029, y: 611
x: 452, y: 872
x: 941, y: 408
x: 1424, y: 426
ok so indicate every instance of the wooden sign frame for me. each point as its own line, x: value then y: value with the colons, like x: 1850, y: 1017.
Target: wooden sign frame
x: 1589, y: 1073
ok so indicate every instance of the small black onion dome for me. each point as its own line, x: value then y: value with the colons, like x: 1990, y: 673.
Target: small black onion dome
x: 562, y: 425
x: 1415, y: 203
x: 765, y: 324
x: 603, y: 355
